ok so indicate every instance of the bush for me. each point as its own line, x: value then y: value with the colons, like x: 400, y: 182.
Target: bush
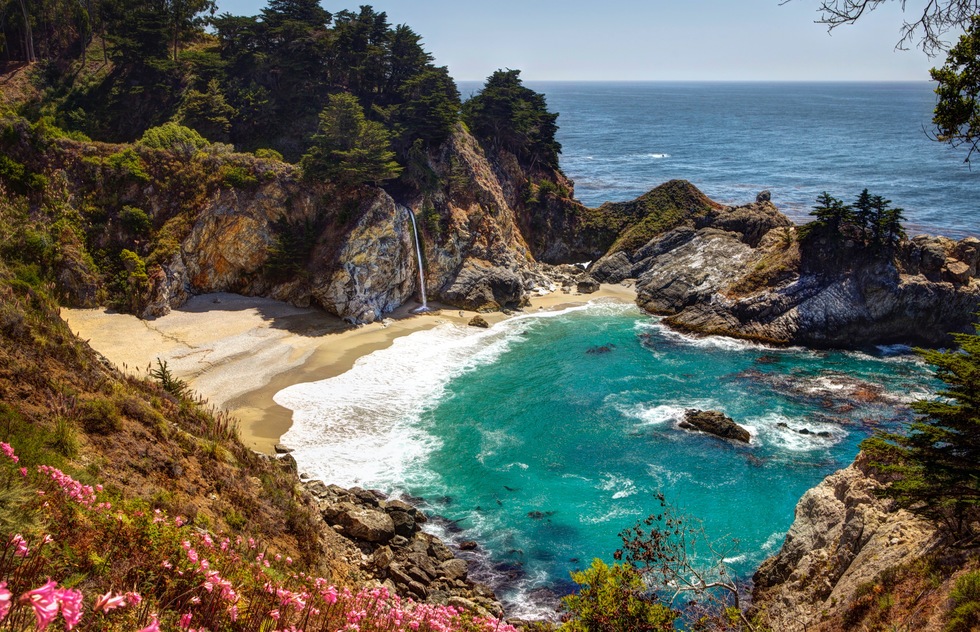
x: 99, y: 416
x: 614, y: 599
x: 965, y: 615
x: 268, y: 154
x: 173, y: 137
x: 238, y: 177
x: 135, y: 221
x: 128, y: 164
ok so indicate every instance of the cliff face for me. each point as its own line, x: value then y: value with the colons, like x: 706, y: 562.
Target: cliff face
x: 842, y: 541
x: 744, y: 272
x: 364, y: 262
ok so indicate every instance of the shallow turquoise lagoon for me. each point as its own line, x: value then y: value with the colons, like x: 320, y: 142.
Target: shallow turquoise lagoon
x: 545, y: 436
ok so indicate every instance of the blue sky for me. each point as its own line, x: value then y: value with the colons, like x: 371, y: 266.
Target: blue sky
x: 665, y: 40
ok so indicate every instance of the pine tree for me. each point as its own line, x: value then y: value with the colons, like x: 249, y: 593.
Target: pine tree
x: 348, y: 149
x: 831, y: 213
x: 863, y: 212
x: 938, y: 461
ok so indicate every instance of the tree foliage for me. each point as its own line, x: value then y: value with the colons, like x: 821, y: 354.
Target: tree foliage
x: 871, y: 221
x: 349, y: 149
x: 614, y: 599
x: 930, y: 20
x: 957, y: 114
x: 510, y: 116
x: 936, y: 464
x: 676, y: 557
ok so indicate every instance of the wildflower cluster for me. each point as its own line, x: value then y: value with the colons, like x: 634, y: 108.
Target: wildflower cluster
x: 138, y: 569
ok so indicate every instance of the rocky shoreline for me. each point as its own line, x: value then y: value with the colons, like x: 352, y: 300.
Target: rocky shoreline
x: 397, y: 553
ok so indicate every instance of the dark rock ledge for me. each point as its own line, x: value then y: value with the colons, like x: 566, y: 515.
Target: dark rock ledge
x: 714, y: 423
x: 397, y: 553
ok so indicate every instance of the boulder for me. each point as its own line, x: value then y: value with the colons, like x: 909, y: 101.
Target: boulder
x: 587, y: 285
x: 454, y: 569
x: 957, y: 271
x: 844, y: 536
x: 764, y: 196
x: 404, y: 523
x: 715, y: 423
x: 362, y: 523
x: 479, y: 321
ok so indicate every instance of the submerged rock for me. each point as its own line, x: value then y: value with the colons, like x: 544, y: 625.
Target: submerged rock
x: 715, y: 423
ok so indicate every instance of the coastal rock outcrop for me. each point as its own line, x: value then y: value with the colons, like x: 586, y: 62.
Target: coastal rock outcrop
x: 714, y: 423
x: 396, y: 552
x: 746, y: 272
x: 843, y: 537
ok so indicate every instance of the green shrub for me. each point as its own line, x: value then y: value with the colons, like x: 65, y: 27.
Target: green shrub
x: 269, y: 154
x: 128, y: 164
x: 64, y: 440
x: 238, y: 177
x: 613, y: 599
x: 99, y: 416
x: 135, y: 221
x: 19, y: 178
x: 173, y: 137
x: 965, y: 615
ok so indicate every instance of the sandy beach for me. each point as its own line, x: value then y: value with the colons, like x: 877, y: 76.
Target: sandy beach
x: 238, y: 351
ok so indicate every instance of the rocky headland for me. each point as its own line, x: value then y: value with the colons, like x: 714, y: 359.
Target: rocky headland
x: 745, y: 272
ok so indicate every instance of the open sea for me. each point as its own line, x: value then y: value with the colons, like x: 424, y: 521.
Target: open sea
x: 547, y: 435
x: 733, y: 140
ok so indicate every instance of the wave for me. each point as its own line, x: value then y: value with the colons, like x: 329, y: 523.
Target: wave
x: 792, y: 434
x: 363, y: 427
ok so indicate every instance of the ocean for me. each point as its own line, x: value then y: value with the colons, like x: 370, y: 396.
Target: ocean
x: 547, y: 435
x: 733, y: 140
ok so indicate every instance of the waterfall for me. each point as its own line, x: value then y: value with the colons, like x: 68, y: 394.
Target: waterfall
x: 418, y: 252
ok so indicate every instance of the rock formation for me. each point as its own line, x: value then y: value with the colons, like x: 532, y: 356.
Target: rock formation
x: 396, y: 552
x: 745, y: 272
x: 714, y: 423
x: 842, y: 538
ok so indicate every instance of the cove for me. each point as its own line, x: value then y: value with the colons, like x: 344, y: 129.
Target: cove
x: 545, y: 436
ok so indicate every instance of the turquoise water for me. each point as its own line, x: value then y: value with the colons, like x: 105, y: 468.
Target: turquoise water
x: 545, y: 436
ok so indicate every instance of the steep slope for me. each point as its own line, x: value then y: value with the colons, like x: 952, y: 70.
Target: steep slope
x: 852, y: 561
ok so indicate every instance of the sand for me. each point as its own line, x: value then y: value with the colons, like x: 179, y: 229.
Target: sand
x: 238, y: 352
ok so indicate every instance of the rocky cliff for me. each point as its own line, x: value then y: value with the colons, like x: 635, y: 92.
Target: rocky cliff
x: 745, y: 272
x: 842, y: 544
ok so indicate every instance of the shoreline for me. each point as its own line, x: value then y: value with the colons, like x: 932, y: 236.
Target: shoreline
x: 238, y: 352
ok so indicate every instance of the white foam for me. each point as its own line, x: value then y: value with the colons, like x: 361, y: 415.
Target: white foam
x: 766, y: 429
x: 621, y: 486
x: 363, y: 427
x: 774, y: 541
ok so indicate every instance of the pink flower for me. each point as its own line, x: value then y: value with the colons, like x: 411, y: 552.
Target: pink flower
x: 133, y: 598
x: 23, y: 471
x: 274, y: 614
x: 185, y: 620
x: 233, y: 613
x: 20, y: 545
x: 44, y: 600
x: 5, y: 596
x: 9, y: 451
x: 71, y: 606
x: 330, y: 595
x: 108, y: 602
x: 154, y: 625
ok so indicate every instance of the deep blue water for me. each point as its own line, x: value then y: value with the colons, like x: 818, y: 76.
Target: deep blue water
x: 547, y: 435
x: 733, y: 140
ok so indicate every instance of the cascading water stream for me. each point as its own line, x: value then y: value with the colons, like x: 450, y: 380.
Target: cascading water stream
x: 418, y: 252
